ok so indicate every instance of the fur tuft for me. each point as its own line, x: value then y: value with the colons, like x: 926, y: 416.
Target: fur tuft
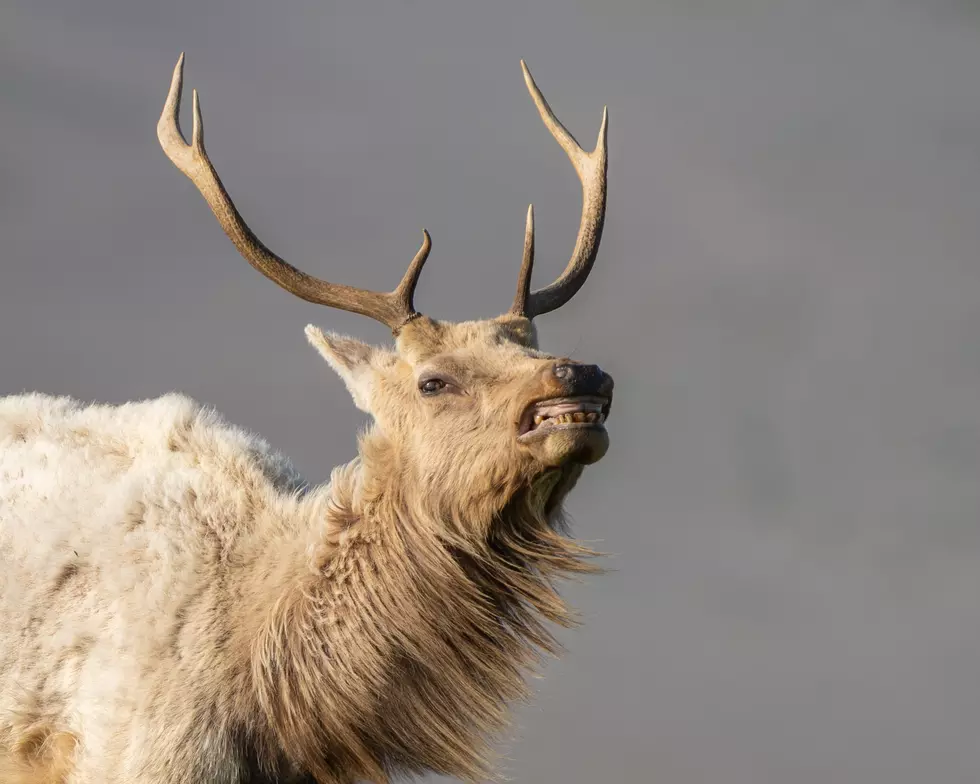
x: 35, y: 753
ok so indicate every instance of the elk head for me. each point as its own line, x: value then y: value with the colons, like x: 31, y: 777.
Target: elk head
x: 468, y: 404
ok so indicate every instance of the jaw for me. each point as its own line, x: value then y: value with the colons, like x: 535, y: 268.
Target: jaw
x: 579, y: 444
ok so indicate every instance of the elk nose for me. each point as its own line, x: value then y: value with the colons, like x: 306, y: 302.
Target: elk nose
x: 583, y: 379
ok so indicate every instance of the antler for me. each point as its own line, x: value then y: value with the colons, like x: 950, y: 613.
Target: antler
x: 591, y: 169
x: 393, y: 308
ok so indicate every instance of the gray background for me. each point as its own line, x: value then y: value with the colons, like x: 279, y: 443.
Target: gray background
x: 788, y: 295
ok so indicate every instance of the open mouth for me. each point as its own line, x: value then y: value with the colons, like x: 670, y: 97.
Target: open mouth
x: 563, y: 413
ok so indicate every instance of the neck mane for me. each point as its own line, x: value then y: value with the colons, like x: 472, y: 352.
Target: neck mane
x: 402, y: 643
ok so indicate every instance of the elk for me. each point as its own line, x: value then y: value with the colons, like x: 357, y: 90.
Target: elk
x: 177, y: 604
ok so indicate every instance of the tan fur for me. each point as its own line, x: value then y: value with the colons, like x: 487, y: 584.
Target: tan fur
x: 178, y: 605
x: 31, y: 752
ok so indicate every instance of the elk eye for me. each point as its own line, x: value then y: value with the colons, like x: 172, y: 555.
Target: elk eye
x: 431, y: 386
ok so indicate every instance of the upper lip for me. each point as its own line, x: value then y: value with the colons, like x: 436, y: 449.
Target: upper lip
x: 556, y: 406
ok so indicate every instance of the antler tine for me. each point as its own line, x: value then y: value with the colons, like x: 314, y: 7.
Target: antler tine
x: 591, y: 170
x: 527, y: 265
x: 393, y: 308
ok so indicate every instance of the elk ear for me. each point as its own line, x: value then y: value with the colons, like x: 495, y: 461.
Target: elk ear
x: 350, y: 358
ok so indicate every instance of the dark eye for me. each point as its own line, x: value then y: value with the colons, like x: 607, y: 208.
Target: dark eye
x: 431, y: 386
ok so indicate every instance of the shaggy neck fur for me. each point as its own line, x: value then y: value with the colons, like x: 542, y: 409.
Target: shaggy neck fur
x: 414, y: 626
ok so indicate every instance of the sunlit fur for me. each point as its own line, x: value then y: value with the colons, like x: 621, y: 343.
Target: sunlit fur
x: 178, y: 605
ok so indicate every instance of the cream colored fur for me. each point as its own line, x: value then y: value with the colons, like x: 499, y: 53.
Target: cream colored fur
x: 178, y: 605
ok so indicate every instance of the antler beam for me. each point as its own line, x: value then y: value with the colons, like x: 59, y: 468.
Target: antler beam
x: 591, y: 170
x: 393, y: 308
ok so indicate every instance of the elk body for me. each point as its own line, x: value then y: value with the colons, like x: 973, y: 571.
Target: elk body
x: 178, y: 605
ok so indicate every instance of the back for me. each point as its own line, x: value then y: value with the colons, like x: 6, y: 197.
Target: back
x: 115, y: 489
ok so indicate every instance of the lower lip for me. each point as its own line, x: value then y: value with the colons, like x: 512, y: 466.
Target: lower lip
x: 546, y: 429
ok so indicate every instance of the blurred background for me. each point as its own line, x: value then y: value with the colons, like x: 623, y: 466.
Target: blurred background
x: 788, y: 295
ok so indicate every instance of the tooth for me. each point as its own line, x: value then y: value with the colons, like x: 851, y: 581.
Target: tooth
x: 578, y: 416
x: 538, y: 419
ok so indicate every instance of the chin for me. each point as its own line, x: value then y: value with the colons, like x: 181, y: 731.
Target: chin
x: 570, y: 446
